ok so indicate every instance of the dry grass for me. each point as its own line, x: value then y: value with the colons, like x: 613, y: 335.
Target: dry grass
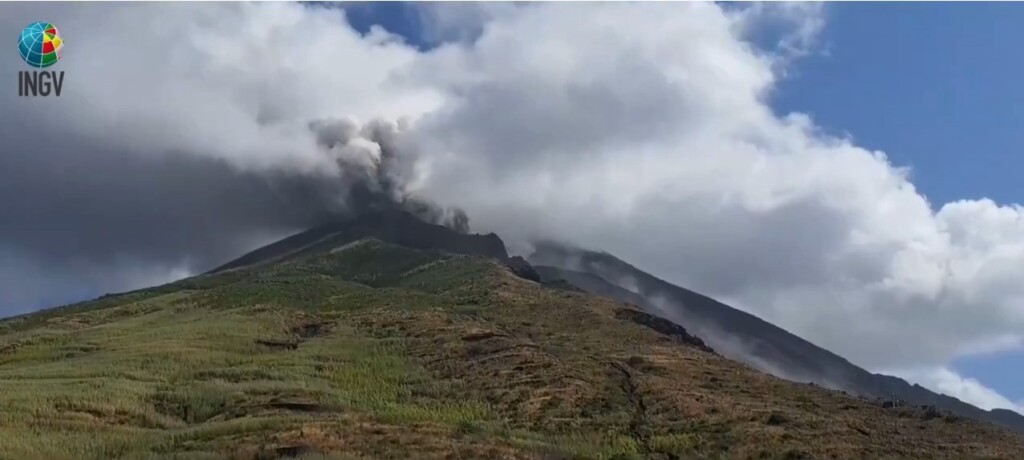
x: 382, y: 352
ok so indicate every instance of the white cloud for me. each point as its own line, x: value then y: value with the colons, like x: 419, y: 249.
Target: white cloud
x: 966, y: 389
x: 644, y: 130
x: 176, y: 78
x: 125, y: 172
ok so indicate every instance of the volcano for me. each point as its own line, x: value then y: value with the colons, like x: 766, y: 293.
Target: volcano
x: 385, y: 336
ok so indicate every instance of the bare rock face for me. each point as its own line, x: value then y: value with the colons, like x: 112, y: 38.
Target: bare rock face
x: 523, y: 269
x: 663, y: 326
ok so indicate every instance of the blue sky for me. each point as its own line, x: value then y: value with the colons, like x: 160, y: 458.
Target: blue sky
x: 932, y: 85
x: 935, y: 86
x: 938, y: 87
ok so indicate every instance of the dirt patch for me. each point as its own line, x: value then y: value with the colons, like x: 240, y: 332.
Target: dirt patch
x: 299, y: 406
x: 312, y: 329
x: 194, y: 405
x: 638, y: 424
x: 278, y: 344
x: 107, y: 415
x: 776, y: 419
x: 646, y: 366
x: 9, y: 348
x: 367, y: 438
x: 476, y: 335
x: 307, y: 328
x: 276, y: 453
x: 294, y: 451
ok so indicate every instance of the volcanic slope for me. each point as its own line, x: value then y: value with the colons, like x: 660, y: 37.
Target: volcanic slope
x: 740, y: 335
x: 368, y: 349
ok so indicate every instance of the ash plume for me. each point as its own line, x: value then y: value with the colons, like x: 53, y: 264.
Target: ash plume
x: 179, y: 214
x: 655, y: 140
x: 376, y: 166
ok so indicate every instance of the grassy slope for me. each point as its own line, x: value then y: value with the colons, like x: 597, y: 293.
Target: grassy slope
x: 380, y: 351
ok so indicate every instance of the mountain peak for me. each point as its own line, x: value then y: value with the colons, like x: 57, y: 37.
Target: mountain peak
x: 347, y: 343
x: 390, y: 225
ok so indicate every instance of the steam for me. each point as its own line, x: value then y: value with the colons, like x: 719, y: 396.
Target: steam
x: 734, y: 347
x: 376, y: 167
x: 643, y: 130
x: 212, y: 143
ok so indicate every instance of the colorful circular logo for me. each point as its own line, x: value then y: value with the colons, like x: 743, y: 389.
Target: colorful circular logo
x: 40, y: 44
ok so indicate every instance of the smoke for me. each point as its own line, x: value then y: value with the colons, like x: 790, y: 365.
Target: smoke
x: 730, y: 335
x: 744, y: 351
x: 367, y: 157
x: 377, y: 166
x: 643, y: 130
x: 156, y: 164
x: 567, y: 257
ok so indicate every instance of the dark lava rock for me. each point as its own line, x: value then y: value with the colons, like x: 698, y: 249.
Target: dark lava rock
x: 663, y: 326
x: 523, y: 269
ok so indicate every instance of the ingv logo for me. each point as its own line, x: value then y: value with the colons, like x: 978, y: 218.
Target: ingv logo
x: 40, y: 45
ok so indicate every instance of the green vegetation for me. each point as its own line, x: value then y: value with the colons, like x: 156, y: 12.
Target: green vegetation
x: 379, y: 351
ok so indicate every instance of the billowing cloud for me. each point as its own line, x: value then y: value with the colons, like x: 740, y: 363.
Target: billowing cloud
x: 966, y: 389
x: 178, y: 142
x: 643, y: 130
x: 655, y: 140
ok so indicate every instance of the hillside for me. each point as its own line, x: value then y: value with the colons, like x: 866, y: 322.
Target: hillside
x: 388, y: 224
x: 740, y: 335
x: 362, y: 348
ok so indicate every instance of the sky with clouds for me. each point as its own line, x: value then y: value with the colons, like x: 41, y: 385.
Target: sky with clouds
x: 676, y: 136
